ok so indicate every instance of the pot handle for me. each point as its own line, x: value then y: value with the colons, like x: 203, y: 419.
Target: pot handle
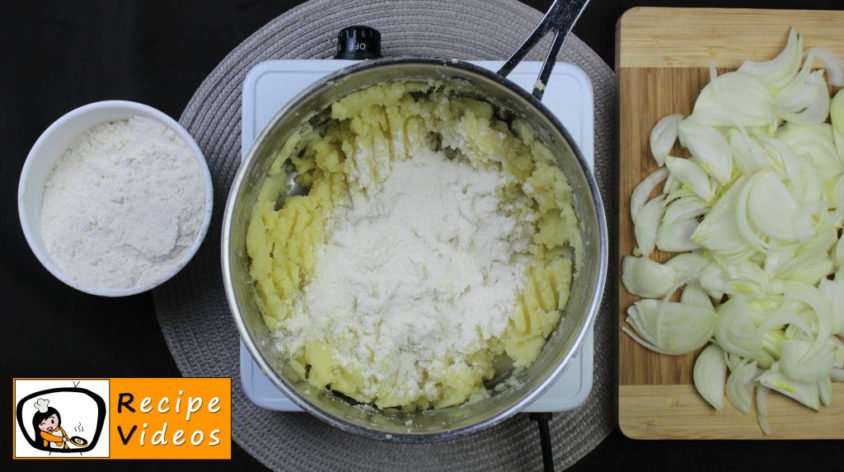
x: 560, y: 19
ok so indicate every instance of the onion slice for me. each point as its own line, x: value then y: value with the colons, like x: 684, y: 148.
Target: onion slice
x: 779, y: 71
x: 710, y: 374
x: 740, y: 384
x: 663, y: 136
x: 644, y: 189
x: 834, y: 68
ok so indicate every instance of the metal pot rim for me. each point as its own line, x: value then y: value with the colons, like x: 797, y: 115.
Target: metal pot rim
x: 340, y: 423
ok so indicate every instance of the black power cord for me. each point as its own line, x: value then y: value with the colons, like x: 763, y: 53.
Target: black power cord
x: 543, y: 421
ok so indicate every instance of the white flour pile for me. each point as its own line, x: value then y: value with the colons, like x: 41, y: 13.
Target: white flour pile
x: 420, y: 273
x: 122, y: 204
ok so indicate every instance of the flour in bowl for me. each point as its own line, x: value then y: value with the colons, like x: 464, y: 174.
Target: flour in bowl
x: 122, y: 204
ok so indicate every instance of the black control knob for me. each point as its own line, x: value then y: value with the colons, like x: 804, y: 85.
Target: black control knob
x: 358, y: 42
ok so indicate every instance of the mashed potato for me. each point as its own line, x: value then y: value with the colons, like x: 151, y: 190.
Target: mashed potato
x: 352, y: 152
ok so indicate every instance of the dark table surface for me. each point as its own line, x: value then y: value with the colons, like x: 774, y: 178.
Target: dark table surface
x: 60, y: 54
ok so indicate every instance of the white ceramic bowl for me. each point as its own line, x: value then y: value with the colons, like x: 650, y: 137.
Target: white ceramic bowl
x: 52, y: 144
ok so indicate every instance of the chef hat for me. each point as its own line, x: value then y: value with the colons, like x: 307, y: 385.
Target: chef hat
x: 42, y: 404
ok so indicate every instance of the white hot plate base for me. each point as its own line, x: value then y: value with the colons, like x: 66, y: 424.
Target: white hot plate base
x: 269, y: 85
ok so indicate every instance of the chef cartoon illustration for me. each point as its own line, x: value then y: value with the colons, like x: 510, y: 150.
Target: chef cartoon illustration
x: 47, y: 423
x: 66, y: 421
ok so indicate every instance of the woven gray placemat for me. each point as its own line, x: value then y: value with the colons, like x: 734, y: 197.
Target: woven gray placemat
x: 192, y: 309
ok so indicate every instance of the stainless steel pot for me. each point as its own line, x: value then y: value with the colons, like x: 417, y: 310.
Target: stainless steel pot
x: 587, y: 286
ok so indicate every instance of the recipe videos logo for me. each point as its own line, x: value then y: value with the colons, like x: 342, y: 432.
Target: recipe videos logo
x: 61, y: 417
x: 122, y: 418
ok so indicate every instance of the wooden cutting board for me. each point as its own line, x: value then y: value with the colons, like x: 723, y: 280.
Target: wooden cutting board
x: 663, y: 56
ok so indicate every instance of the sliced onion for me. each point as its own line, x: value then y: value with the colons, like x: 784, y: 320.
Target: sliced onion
x: 719, y: 232
x: 839, y: 255
x: 688, y: 266
x: 784, y: 156
x: 710, y: 375
x: 663, y: 136
x: 805, y: 394
x: 677, y: 235
x: 684, y: 207
x: 646, y: 278
x: 644, y: 189
x: 808, y: 187
x: 671, y: 185
x: 805, y: 103
x: 836, y: 117
x: 748, y: 154
x: 747, y: 278
x: 779, y: 71
x: 774, y: 210
x: 762, y: 408
x: 735, y: 99
x: 833, y: 290
x: 646, y: 225
x: 709, y: 148
x: 670, y: 327
x: 809, y: 267
x: 839, y: 355
x: 735, y: 331
x: 740, y: 385
x: 743, y: 222
x: 801, y: 75
x: 825, y: 389
x: 805, y: 362
x: 814, y: 142
x: 693, y: 294
x: 778, y: 256
x: 836, y: 112
x: 756, y: 215
x: 832, y: 63
x: 781, y: 318
x: 692, y: 175
x: 715, y: 281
